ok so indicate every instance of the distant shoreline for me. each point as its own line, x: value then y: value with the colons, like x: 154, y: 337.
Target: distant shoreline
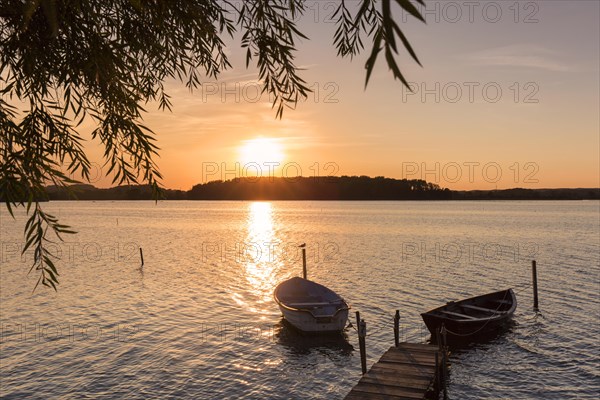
x: 343, y: 188
x: 325, y: 201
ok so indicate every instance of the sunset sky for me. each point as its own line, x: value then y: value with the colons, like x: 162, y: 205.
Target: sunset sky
x: 456, y: 130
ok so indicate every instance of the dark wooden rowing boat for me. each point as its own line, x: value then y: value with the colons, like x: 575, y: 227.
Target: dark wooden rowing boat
x: 473, y: 318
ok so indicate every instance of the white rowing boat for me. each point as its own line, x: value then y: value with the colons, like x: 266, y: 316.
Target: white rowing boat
x: 311, y: 307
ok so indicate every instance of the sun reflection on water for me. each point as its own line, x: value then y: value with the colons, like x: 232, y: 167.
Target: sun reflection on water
x: 258, y: 256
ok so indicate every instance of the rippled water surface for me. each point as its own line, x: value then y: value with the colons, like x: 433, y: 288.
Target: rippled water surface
x: 198, y: 320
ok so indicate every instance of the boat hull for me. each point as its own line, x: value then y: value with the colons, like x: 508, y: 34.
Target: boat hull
x: 465, y: 330
x: 311, y: 307
x: 304, y: 321
x: 474, y: 318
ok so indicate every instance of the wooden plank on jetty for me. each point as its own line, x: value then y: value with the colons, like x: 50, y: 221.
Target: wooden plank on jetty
x: 408, y: 371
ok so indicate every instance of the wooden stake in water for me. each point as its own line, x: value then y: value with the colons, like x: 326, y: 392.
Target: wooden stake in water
x: 362, y: 334
x: 361, y: 327
x: 535, y: 287
x: 303, y: 245
x: 142, y: 257
x: 397, y: 328
x: 438, y: 339
x: 437, y: 370
x: 444, y: 362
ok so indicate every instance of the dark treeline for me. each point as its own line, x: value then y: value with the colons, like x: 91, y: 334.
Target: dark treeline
x: 317, y: 188
x: 125, y: 192
x: 271, y: 188
x: 528, y: 194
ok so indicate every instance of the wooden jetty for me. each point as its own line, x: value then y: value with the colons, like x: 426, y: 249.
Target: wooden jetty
x: 408, y: 371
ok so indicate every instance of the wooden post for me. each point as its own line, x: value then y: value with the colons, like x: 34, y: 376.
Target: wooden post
x: 444, y: 362
x: 362, y: 334
x: 438, y: 339
x: 445, y: 378
x: 361, y: 327
x: 303, y: 261
x: 437, y: 371
x: 397, y: 328
x: 142, y: 257
x: 535, y: 287
x: 443, y: 332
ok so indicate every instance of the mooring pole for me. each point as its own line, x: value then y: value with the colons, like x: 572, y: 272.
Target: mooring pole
x: 362, y: 334
x: 444, y: 332
x: 444, y: 362
x: 397, y: 328
x: 535, y: 287
x: 361, y: 328
x: 303, y: 261
x: 437, y: 371
x: 142, y: 257
x: 438, y: 339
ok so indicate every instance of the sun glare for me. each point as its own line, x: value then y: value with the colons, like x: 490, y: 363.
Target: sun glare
x: 261, y: 151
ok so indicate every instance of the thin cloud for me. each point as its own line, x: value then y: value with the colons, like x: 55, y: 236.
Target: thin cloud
x: 519, y: 56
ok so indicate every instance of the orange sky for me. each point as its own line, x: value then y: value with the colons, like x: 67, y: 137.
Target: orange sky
x: 502, y: 101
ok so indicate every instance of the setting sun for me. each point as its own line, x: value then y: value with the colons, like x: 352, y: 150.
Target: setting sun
x: 261, y: 151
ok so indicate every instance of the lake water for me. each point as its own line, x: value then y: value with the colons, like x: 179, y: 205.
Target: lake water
x: 198, y: 321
